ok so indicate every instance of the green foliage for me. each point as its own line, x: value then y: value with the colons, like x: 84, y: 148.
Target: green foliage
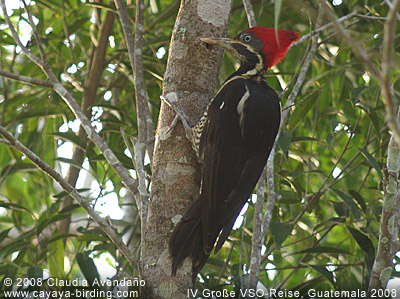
x: 329, y: 162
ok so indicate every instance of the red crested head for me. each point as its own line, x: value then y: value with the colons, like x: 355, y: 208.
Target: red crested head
x: 274, y: 47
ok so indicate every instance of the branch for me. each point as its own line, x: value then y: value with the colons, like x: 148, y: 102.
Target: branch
x: 301, y: 78
x: 138, y: 158
x: 135, y: 52
x: 370, y: 17
x: 272, y: 196
x: 67, y: 35
x: 261, y: 223
x: 386, y: 68
x: 353, y: 43
x: 72, y: 192
x: 257, y: 238
x: 332, y: 24
x: 2, y: 141
x: 96, y: 65
x: 322, y: 28
x: 44, y: 63
x: 14, y: 34
x: 388, y: 3
x: 250, y: 13
x: 144, y: 120
x: 25, y: 79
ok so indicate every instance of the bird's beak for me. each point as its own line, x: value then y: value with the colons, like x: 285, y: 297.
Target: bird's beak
x: 225, y: 43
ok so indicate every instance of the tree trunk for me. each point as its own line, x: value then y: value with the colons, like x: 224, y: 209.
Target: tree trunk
x: 383, y: 264
x: 191, y: 74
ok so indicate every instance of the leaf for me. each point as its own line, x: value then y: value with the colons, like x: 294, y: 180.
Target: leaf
x: 88, y: 267
x: 21, y: 255
x: 324, y: 249
x: 47, y: 221
x: 375, y: 121
x: 305, y: 138
x: 300, y: 112
x: 372, y: 161
x: 330, y: 222
x: 71, y: 137
x: 341, y: 208
x: 289, y: 197
x: 13, y: 247
x: 284, y: 141
x: 78, y: 24
x: 324, y: 272
x: 70, y: 208
x: 60, y: 237
x: 280, y: 231
x: 6, y: 39
x: 13, y: 206
x: 19, y: 167
x: 36, y: 113
x: 62, y: 194
x: 358, y: 199
x: 4, y: 233
x: 92, y: 237
x: 366, y: 246
x: 35, y: 273
x: 103, y: 6
x: 298, y: 173
x: 121, y: 157
x: 355, y: 210
x: 56, y: 258
x: 364, y: 106
x: 328, y: 111
x: 69, y: 161
x: 357, y: 92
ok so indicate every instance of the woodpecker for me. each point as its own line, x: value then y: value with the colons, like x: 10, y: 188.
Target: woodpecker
x: 233, y: 140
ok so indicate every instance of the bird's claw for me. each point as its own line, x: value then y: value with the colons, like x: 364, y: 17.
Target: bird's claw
x: 171, y: 99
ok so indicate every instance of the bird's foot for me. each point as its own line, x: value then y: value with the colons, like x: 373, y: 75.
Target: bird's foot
x: 171, y: 99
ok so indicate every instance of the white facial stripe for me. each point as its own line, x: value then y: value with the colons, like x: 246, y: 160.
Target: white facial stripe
x: 260, y: 64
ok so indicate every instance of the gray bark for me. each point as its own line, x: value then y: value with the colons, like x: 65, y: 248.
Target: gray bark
x: 191, y: 74
x: 388, y: 233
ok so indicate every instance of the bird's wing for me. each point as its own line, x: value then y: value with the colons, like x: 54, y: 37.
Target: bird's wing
x: 235, y: 150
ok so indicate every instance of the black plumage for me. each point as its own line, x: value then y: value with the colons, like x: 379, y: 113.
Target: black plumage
x: 233, y: 140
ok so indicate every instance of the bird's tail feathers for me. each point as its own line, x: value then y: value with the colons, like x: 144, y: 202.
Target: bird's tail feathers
x: 186, y: 241
x: 236, y: 199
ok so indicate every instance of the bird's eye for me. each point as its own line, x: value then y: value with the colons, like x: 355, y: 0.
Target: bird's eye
x: 247, y: 38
